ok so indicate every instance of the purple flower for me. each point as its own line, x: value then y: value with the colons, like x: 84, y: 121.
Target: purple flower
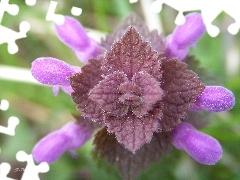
x: 131, y: 90
x: 203, y: 148
x: 70, y: 137
x: 215, y: 99
x: 138, y: 90
x: 51, y: 71
x: 185, y: 36
x: 73, y: 35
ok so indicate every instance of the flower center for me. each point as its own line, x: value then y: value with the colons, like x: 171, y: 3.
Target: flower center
x: 130, y: 94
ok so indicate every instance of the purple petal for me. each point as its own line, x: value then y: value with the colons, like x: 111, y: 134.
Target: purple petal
x: 51, y: 147
x: 73, y: 35
x: 201, y: 147
x: 66, y: 89
x: 51, y: 71
x: 216, y: 99
x: 70, y: 137
x: 78, y: 135
x: 185, y: 36
x: 91, y: 52
x: 55, y: 90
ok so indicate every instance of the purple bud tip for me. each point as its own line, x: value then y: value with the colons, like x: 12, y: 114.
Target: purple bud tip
x: 51, y: 71
x: 68, y: 138
x: 216, y: 99
x: 50, y: 148
x: 185, y: 36
x: 201, y: 147
x: 72, y: 33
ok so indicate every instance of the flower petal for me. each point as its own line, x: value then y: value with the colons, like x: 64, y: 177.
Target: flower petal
x: 72, y: 33
x: 71, y: 136
x: 77, y: 134
x: 51, y: 147
x: 185, y: 36
x: 203, y: 148
x: 216, y: 99
x: 51, y: 71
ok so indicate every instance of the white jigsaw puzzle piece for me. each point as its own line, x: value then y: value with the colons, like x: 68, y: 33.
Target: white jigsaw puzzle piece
x: 133, y: 1
x: 76, y: 11
x: 8, y: 35
x: 4, y: 170
x: 12, y: 123
x: 51, y: 16
x: 209, y: 9
x: 12, y: 9
x: 30, y: 2
x: 31, y: 171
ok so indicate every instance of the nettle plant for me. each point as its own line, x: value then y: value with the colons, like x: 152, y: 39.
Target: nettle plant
x: 137, y: 95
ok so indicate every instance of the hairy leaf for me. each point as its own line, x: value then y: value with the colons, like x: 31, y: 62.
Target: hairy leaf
x: 133, y: 20
x: 82, y: 83
x: 182, y: 87
x: 106, y: 94
x: 131, y: 55
x: 129, y: 164
x: 86, y: 122
x: 133, y: 131
x: 151, y: 92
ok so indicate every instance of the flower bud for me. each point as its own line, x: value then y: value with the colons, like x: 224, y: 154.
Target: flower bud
x: 201, y: 147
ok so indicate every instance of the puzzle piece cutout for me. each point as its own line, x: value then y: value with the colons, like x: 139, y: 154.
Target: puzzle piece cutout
x: 12, y: 9
x: 76, y: 11
x: 4, y: 170
x: 209, y: 9
x: 30, y: 2
x: 133, y: 1
x: 12, y: 123
x: 51, y: 16
x: 31, y: 171
x: 8, y: 35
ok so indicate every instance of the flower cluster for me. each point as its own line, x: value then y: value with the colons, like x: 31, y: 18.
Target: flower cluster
x: 137, y: 91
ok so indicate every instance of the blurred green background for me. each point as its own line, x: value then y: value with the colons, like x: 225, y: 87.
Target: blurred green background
x: 40, y: 112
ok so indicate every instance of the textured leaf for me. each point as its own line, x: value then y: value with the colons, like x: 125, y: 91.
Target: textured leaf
x: 86, y: 122
x: 106, y: 94
x: 133, y: 20
x: 182, y: 87
x: 151, y: 92
x: 82, y: 83
x: 129, y: 164
x: 132, y: 131
x: 115, y: 94
x: 131, y: 55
